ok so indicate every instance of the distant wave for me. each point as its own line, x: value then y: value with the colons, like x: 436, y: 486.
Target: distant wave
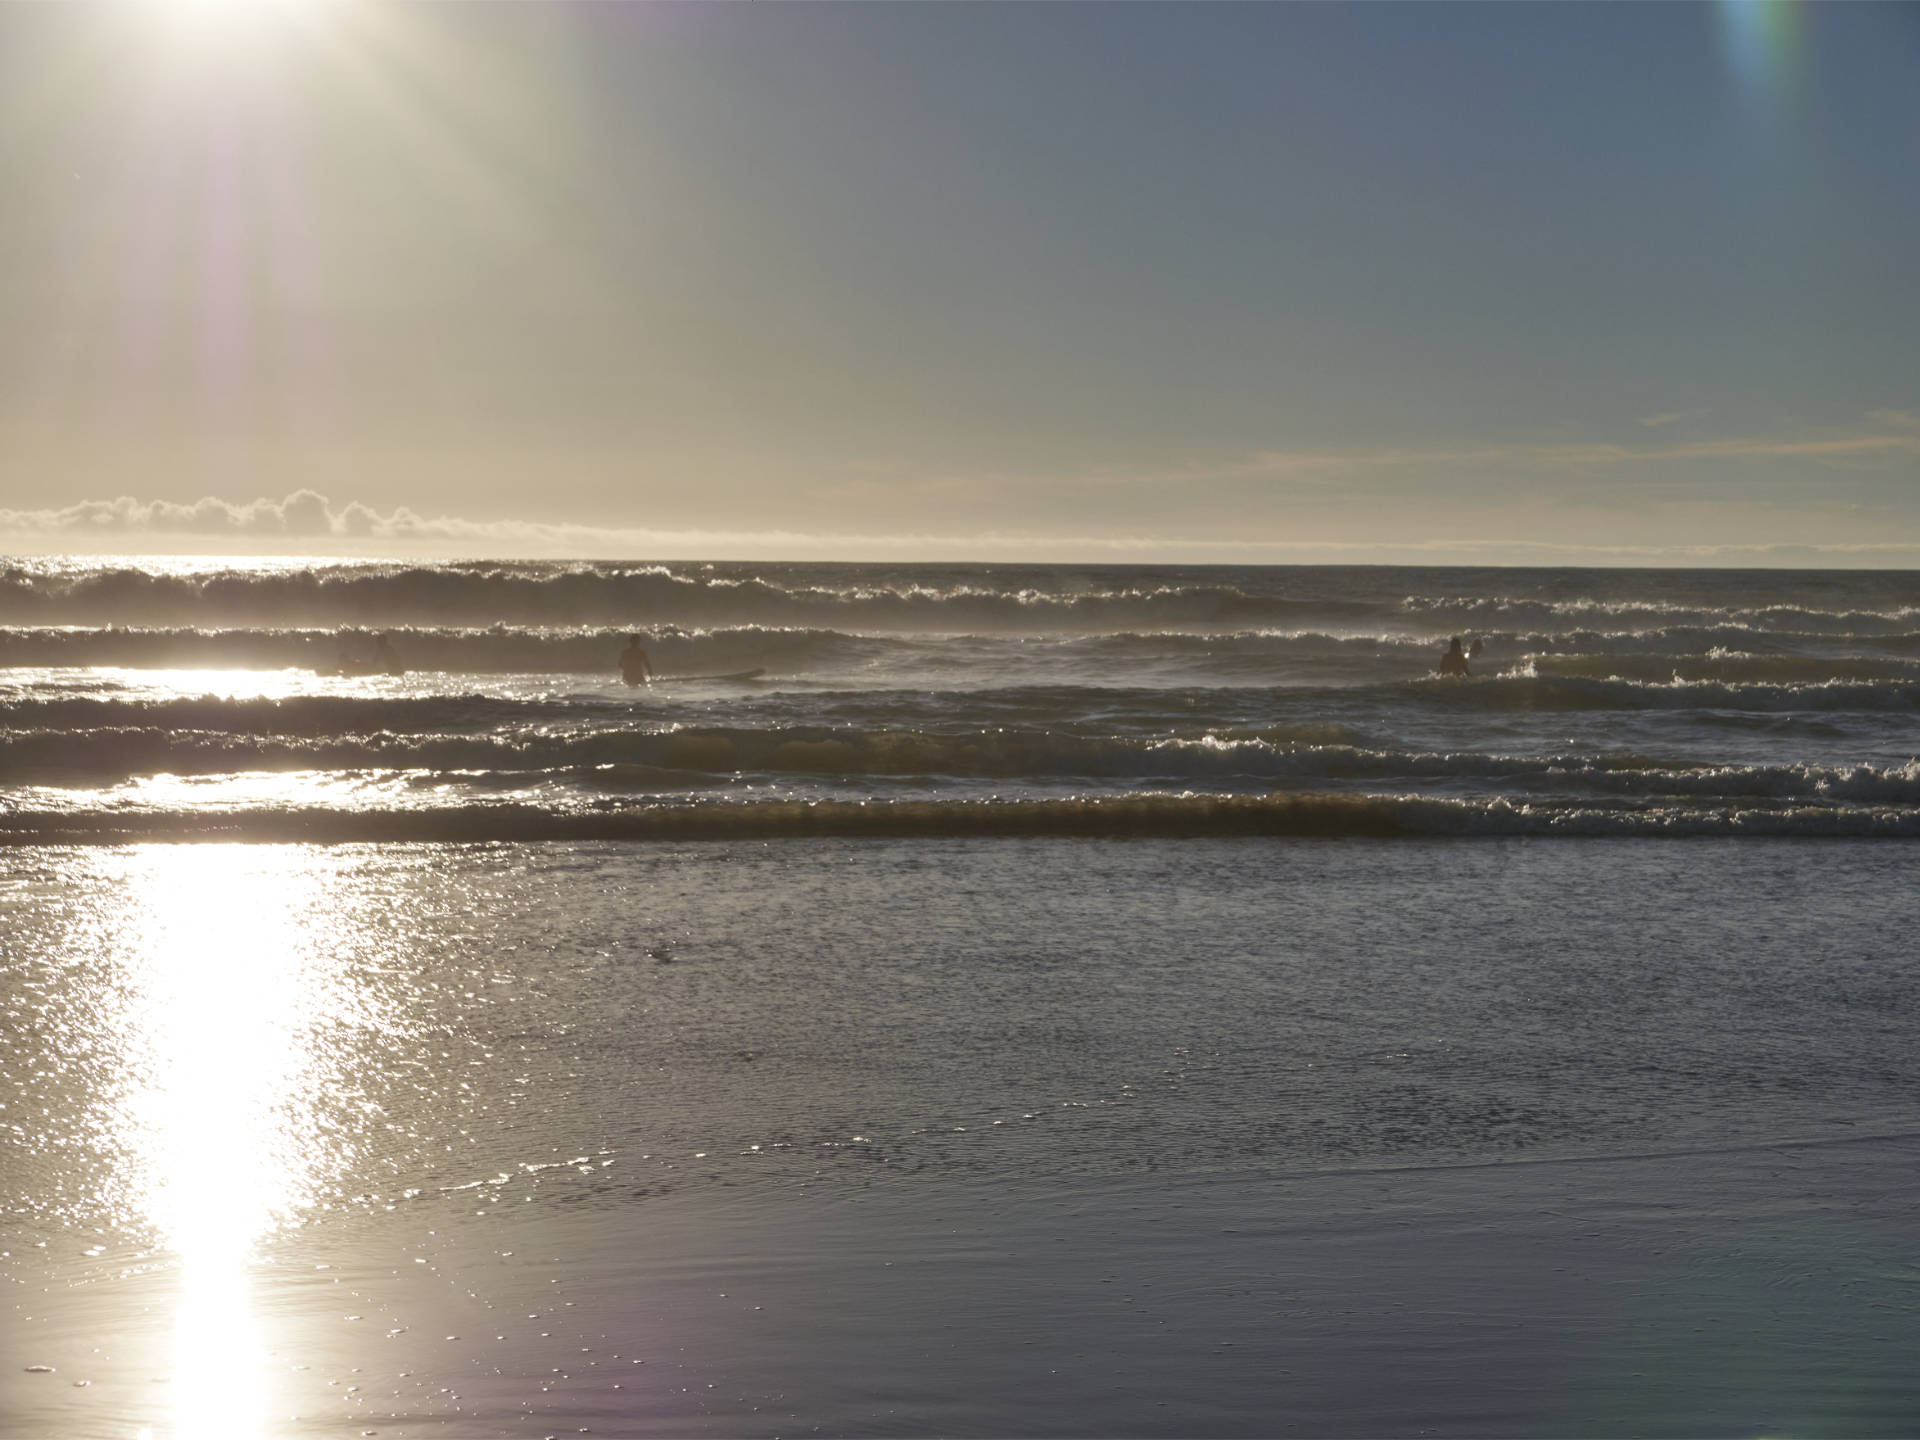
x: 614, y: 595
x: 302, y: 715
x: 883, y: 599
x: 471, y: 651
x: 936, y: 699
x: 500, y: 649
x: 1527, y: 612
x: 111, y: 753
x: 1523, y: 690
x: 1734, y: 668
x: 1699, y: 640
x: 1382, y: 817
x: 890, y: 732
x: 1116, y: 661
x: 487, y: 755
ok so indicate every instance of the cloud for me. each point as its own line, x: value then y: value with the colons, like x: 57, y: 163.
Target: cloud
x: 307, y: 520
x: 305, y: 513
x: 1674, y: 417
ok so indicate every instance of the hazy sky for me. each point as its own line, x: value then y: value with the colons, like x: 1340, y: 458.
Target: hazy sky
x: 1234, y: 281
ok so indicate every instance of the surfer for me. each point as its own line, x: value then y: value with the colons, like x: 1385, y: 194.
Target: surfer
x: 1454, y: 662
x: 635, y: 668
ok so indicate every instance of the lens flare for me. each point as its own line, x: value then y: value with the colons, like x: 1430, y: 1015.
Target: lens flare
x: 1761, y: 42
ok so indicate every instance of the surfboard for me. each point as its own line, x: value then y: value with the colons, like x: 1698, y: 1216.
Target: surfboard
x: 734, y: 675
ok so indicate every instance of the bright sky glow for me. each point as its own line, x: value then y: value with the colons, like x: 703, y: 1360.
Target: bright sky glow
x: 1347, y: 282
x: 210, y: 16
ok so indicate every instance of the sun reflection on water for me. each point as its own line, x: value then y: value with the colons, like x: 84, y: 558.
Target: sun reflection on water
x: 227, y: 992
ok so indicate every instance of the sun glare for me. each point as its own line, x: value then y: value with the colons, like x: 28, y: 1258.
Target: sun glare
x: 234, y: 29
x: 226, y: 998
x: 222, y: 12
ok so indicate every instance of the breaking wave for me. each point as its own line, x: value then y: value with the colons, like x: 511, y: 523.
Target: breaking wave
x: 455, y: 651
x: 1528, y: 613
x: 634, y: 759
x: 953, y: 699
x: 938, y: 599
x: 1379, y: 817
x: 621, y: 596
x: 1527, y: 690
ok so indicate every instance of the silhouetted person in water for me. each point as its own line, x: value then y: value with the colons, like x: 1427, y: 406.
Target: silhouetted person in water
x: 384, y: 658
x: 635, y: 668
x: 1473, y: 650
x: 383, y: 661
x: 1454, y: 662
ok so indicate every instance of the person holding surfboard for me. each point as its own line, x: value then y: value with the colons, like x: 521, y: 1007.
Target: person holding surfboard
x: 635, y: 668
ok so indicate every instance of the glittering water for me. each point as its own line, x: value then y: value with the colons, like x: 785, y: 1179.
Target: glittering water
x: 216, y: 1055
x: 1134, y: 896
x: 150, y: 700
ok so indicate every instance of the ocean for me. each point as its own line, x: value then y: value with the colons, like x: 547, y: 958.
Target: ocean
x: 1050, y: 1000
x: 163, y: 699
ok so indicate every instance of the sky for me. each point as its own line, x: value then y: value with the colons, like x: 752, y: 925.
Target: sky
x: 1555, y: 283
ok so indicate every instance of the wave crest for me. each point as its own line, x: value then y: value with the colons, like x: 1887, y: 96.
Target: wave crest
x: 1372, y: 817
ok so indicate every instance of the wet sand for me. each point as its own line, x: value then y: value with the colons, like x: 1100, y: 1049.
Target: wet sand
x: 1763, y: 1289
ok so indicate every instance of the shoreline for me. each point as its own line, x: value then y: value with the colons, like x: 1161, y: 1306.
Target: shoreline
x: 1704, y: 1291
x: 1279, y: 815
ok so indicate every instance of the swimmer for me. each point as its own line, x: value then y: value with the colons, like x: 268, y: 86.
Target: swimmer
x: 635, y: 668
x: 1454, y: 662
x: 384, y: 658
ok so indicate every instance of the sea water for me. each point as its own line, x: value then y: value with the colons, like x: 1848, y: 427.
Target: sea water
x: 166, y: 698
x: 1529, y: 1053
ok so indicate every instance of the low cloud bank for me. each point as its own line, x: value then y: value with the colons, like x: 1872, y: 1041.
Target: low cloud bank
x: 304, y: 515
x: 307, y: 521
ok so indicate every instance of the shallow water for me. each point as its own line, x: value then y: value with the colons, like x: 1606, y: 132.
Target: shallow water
x: 655, y: 1073
x: 1018, y: 939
